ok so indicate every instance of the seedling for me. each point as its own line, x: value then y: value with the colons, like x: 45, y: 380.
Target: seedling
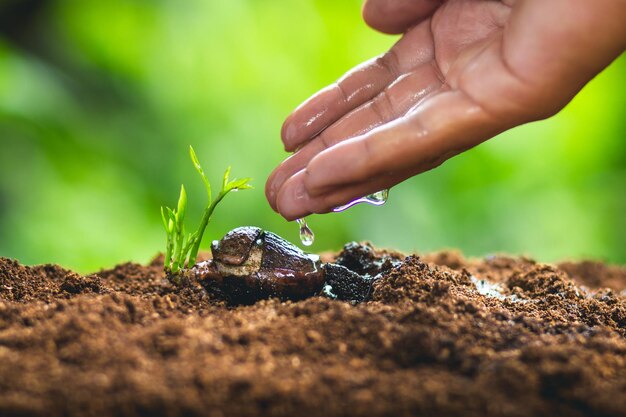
x: 181, y: 250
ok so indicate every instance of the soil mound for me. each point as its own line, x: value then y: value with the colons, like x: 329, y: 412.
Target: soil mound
x: 441, y: 335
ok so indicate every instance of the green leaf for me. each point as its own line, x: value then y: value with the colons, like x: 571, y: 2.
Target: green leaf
x: 196, y: 164
x: 194, y: 158
x: 189, y: 242
x: 165, y: 220
x: 191, y: 238
x: 182, y: 205
x: 181, y: 248
x: 239, y: 184
x: 168, y: 220
x: 225, y: 181
x: 172, y: 216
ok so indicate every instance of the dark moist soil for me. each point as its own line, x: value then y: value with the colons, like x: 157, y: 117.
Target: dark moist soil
x: 436, y: 339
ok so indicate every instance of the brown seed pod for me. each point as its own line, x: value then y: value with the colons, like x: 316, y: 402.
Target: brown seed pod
x: 250, y: 264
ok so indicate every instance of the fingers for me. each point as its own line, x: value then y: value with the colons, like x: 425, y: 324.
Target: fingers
x: 396, y: 16
x: 534, y: 68
x: 440, y: 128
x: 289, y: 167
x: 294, y: 202
x: 358, y: 86
x: 405, y: 93
x: 444, y: 125
x: 326, y: 106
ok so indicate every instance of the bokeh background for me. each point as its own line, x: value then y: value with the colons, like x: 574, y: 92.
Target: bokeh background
x: 99, y: 101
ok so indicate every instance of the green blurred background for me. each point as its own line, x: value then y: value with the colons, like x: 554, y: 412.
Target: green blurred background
x: 99, y: 101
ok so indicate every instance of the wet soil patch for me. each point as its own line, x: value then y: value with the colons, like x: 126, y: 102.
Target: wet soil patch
x: 439, y: 335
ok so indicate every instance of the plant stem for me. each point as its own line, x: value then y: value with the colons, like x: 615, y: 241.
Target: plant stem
x: 203, y: 224
x: 168, y: 252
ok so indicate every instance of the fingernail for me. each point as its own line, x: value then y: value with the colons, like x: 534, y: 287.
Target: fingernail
x: 291, y: 200
x: 271, y: 199
x: 275, y: 182
x: 290, y: 135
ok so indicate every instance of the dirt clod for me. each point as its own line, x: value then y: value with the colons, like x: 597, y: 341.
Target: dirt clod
x: 344, y: 284
x: 441, y: 335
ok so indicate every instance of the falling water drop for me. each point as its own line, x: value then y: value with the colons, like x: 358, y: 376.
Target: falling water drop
x: 306, y: 234
x: 377, y: 199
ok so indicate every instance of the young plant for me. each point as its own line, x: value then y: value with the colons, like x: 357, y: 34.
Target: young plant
x: 181, y: 249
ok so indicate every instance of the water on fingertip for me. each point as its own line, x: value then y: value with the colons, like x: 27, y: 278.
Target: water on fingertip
x: 307, y: 237
x: 377, y: 199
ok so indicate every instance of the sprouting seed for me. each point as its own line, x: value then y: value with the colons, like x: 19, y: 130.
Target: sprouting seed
x: 181, y: 250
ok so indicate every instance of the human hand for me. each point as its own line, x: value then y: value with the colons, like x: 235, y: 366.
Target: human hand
x: 464, y: 71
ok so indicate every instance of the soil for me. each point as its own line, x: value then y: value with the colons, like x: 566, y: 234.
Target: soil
x: 440, y: 335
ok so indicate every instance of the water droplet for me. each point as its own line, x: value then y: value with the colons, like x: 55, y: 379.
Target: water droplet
x: 377, y: 199
x: 306, y: 234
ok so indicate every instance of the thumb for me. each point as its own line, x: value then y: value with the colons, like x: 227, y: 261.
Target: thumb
x: 396, y: 16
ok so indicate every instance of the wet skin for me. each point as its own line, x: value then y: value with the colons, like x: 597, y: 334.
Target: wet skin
x: 463, y: 71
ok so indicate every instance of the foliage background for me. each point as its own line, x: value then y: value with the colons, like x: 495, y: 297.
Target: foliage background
x: 100, y: 99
